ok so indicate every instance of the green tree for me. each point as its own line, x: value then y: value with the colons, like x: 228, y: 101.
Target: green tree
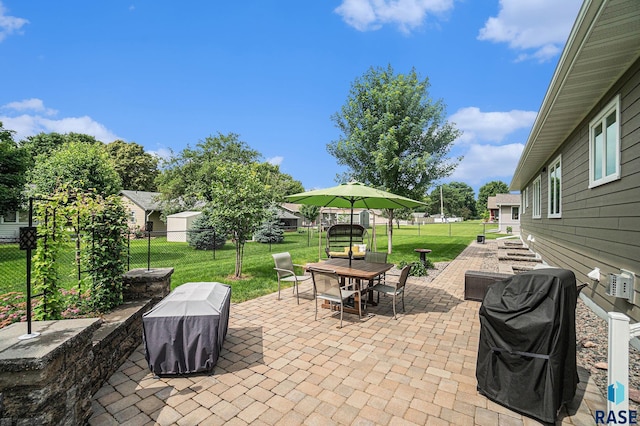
x: 309, y: 212
x: 278, y: 184
x: 186, y: 177
x: 203, y: 236
x: 270, y: 231
x: 402, y: 214
x: 14, y: 162
x: 490, y: 190
x: 237, y: 199
x: 138, y: 169
x: 80, y: 165
x: 459, y: 200
x: 44, y: 144
x: 394, y: 136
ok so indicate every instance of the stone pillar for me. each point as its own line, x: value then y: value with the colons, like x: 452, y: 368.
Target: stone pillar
x: 147, y: 284
x: 45, y: 380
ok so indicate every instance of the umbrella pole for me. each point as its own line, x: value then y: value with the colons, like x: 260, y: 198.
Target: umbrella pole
x: 319, y: 239
x: 351, y: 236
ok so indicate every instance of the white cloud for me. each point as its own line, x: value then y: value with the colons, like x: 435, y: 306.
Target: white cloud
x: 162, y: 153
x: 490, y: 126
x: 31, y: 124
x: 32, y: 104
x: 483, y: 163
x: 537, y: 29
x: 368, y: 15
x: 275, y: 161
x: 9, y: 24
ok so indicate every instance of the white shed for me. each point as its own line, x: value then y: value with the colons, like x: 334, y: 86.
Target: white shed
x: 178, y: 224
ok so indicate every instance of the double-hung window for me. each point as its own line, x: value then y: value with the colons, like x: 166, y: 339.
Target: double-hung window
x: 535, y: 199
x: 604, y: 145
x: 555, y: 188
x: 10, y: 217
x: 525, y: 199
x: 515, y: 213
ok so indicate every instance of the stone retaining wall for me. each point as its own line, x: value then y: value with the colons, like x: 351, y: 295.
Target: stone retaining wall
x: 50, y: 379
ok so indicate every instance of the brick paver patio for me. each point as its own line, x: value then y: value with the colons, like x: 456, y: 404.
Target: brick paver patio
x: 280, y: 367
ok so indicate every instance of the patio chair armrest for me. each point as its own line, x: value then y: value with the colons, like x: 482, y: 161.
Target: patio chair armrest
x: 285, y: 270
x: 392, y: 283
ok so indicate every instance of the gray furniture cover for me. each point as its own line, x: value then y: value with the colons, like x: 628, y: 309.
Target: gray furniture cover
x: 184, y: 333
x: 527, y: 349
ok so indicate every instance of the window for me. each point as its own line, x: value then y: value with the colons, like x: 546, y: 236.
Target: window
x: 525, y: 199
x: 515, y: 213
x: 10, y: 217
x: 23, y: 216
x: 555, y: 188
x: 536, y: 214
x: 604, y: 145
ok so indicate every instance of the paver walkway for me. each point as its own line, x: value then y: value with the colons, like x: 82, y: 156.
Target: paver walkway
x: 280, y: 367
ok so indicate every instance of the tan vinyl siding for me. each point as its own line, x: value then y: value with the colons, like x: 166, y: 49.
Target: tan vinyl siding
x: 599, y: 227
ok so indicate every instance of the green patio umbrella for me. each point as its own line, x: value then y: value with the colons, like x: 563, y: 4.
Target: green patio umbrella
x: 353, y: 195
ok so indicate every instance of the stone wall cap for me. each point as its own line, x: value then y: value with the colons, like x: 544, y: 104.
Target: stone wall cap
x: 146, y: 275
x: 35, y: 352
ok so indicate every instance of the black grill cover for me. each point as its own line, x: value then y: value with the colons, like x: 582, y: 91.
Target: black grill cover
x: 527, y: 349
x: 184, y: 333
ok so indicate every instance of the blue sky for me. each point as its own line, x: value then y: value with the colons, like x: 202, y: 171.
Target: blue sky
x: 166, y: 74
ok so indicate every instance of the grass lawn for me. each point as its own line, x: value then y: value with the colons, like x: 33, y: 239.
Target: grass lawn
x: 445, y: 240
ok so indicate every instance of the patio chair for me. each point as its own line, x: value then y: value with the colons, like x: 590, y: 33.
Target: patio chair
x: 327, y: 287
x: 285, y: 269
x: 394, y: 288
x: 376, y: 257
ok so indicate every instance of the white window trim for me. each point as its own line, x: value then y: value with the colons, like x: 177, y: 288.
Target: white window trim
x: 519, y: 212
x: 551, y: 165
x: 614, y: 105
x: 524, y: 200
x: 536, y: 201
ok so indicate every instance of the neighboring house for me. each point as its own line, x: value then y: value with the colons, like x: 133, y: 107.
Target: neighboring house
x: 143, y: 207
x: 494, y: 211
x: 179, y: 224
x: 505, y: 208
x: 579, y: 172
x: 293, y: 209
x: 10, y: 224
x: 332, y: 216
x: 287, y: 218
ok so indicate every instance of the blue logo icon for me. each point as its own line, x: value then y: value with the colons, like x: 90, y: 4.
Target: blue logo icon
x: 615, y: 393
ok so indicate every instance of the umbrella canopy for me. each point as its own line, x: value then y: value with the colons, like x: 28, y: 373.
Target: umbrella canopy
x: 353, y: 194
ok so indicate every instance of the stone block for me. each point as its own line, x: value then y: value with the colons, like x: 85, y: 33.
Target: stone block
x: 142, y: 283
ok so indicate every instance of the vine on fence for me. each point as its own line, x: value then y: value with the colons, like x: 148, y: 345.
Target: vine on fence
x: 105, y: 242
x: 52, y: 238
x: 102, y: 223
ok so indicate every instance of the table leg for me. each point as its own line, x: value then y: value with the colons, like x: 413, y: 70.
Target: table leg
x: 370, y: 300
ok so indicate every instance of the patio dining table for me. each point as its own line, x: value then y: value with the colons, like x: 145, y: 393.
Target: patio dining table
x: 363, y: 273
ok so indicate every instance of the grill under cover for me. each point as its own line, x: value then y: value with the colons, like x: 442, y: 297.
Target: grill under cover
x: 527, y: 349
x: 185, y: 331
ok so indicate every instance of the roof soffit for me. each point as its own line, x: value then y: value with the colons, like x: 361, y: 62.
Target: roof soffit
x: 604, y: 43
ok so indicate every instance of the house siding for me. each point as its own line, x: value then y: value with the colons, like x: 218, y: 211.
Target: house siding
x: 505, y: 219
x: 599, y: 227
x: 140, y: 218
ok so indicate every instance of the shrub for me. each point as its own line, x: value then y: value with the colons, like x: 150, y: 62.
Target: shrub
x: 203, y: 236
x: 418, y: 269
x: 270, y: 231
